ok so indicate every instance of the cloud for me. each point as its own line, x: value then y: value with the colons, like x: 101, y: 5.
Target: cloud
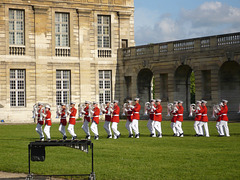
x: 210, y: 18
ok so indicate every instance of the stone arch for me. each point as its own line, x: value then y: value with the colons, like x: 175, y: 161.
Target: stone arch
x: 229, y: 85
x: 144, y: 86
x: 182, y: 85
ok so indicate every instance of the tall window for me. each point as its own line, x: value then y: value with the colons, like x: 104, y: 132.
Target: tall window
x: 16, y: 27
x: 63, y: 86
x: 17, y: 87
x: 62, y: 29
x: 105, y: 86
x: 104, y: 25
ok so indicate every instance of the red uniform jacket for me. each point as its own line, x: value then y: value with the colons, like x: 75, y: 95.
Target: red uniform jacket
x: 198, y: 116
x: 130, y: 114
x: 152, y: 113
x: 96, y: 115
x: 40, y: 121
x: 136, y: 111
x: 174, y: 118
x: 86, y: 117
x: 116, y: 112
x: 63, y: 120
x: 48, y: 118
x: 158, y: 113
x: 224, y: 112
x: 180, y: 113
x: 204, y: 114
x: 107, y: 116
x: 72, y: 119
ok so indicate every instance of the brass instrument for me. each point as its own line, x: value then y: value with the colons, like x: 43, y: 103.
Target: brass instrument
x: 81, y: 108
x: 147, y: 106
x: 90, y: 110
x: 169, y: 108
x: 125, y: 106
x: 110, y: 108
x: 103, y: 108
x: 216, y: 109
x: 191, y: 109
x: 58, y: 112
x: 35, y: 107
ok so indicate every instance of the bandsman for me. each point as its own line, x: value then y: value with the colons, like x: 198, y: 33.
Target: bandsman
x: 85, y: 126
x: 128, y: 125
x: 95, y: 120
x: 48, y: 122
x: 63, y: 122
x: 158, y: 118
x: 115, y: 119
x: 219, y: 118
x: 174, y: 118
x: 224, y: 119
x: 180, y: 118
x: 204, y: 120
x: 198, y: 117
x: 136, y: 117
x: 151, y: 112
x: 108, y: 119
x: 40, y: 122
x: 72, y: 120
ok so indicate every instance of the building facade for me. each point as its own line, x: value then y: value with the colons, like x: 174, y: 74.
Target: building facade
x: 60, y: 51
x: 214, y: 60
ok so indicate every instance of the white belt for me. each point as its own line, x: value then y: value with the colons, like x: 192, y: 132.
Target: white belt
x: 199, y: 114
x: 116, y: 115
x: 152, y: 113
x: 136, y: 112
x: 204, y: 115
x: 158, y: 113
x: 95, y: 116
x: 174, y: 115
x: 107, y: 115
x: 224, y: 114
x: 72, y: 117
x: 180, y: 114
x: 48, y: 119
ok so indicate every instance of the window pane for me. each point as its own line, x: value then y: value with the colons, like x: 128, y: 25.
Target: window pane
x: 57, y: 28
x: 12, y: 74
x: 105, y: 41
x: 99, y: 41
x: 11, y: 38
x: 65, y: 74
x: 20, y: 73
x: 107, y: 74
x: 100, y: 74
x: 57, y: 40
x: 19, y: 25
x: 19, y: 38
x: 13, y: 98
x: 107, y: 96
x: 64, y: 28
x: 101, y: 84
x: 20, y: 84
x: 65, y: 85
x: 107, y: 85
x: 12, y: 85
x: 11, y: 14
x: 58, y: 85
x: 101, y: 98
x: 57, y: 17
x: 58, y: 98
x: 21, y: 98
x: 58, y: 74
x: 64, y: 17
x: 105, y: 30
x: 106, y: 20
x: 99, y: 19
x: 11, y: 25
x: 19, y: 14
x: 100, y: 30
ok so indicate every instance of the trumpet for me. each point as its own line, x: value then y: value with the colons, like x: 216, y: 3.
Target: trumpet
x: 216, y: 109
x: 125, y: 106
x: 169, y: 108
x: 191, y: 109
x: 147, y: 106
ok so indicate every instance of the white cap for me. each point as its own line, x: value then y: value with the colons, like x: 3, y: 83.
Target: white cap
x: 136, y: 99
x: 221, y: 104
x: 152, y: 100
x: 198, y: 102
x: 63, y: 104
x: 40, y: 104
x: 94, y: 102
x: 158, y: 100
x: 108, y: 102
x: 179, y: 101
x: 47, y: 106
x: 72, y: 103
x: 224, y: 100
x: 129, y: 101
x: 175, y: 102
x: 203, y: 101
x: 87, y: 102
x: 115, y: 101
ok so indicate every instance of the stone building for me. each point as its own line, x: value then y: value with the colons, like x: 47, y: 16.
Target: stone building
x: 55, y: 51
x: 215, y: 61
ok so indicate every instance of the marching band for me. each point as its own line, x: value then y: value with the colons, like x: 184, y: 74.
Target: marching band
x: 111, y: 110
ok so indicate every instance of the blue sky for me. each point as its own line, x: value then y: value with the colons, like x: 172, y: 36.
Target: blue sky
x: 167, y: 20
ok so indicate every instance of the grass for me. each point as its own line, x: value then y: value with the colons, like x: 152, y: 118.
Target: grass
x: 145, y: 158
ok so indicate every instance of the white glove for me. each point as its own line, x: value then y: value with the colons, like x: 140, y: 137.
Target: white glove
x: 44, y: 115
x: 103, y: 110
x: 111, y: 110
x: 198, y: 108
x: 92, y: 112
x: 83, y: 112
x: 131, y: 106
x: 69, y: 112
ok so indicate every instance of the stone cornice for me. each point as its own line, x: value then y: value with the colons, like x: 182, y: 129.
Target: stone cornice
x: 84, y: 12
x: 40, y: 9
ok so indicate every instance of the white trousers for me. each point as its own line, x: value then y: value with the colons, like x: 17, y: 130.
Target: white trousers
x: 47, y: 131
x: 150, y: 126
x: 225, y: 125
x: 158, y: 127
x: 129, y: 126
x: 39, y: 130
x: 135, y: 126
x: 218, y: 127
x: 62, y: 130
x: 173, y: 126
x: 178, y: 126
x: 107, y: 127
x: 205, y: 125
x: 115, y: 129
x: 86, y: 128
x: 94, y: 128
x: 71, y: 130
x: 196, y: 127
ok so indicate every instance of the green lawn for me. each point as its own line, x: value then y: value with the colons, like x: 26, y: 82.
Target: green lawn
x: 145, y: 158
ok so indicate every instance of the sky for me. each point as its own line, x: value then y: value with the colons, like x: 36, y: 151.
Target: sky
x: 159, y: 21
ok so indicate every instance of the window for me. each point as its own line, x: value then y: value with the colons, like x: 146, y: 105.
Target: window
x: 63, y: 86
x: 61, y: 29
x: 105, y: 86
x: 16, y: 27
x: 104, y: 25
x: 124, y: 43
x: 17, y: 88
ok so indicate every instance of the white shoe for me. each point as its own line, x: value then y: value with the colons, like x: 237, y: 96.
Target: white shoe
x: 154, y: 136
x: 89, y: 137
x: 160, y: 136
x: 115, y: 137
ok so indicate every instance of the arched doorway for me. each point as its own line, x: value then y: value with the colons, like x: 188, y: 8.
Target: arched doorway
x: 229, y: 78
x: 182, y: 86
x: 145, y: 87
